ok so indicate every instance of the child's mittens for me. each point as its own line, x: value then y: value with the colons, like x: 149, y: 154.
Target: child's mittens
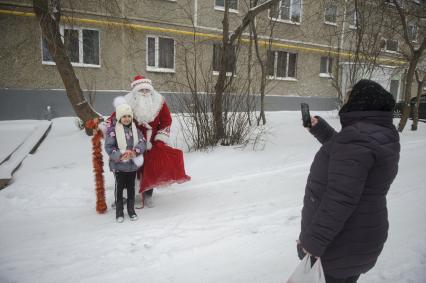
x: 103, y: 127
x: 138, y: 160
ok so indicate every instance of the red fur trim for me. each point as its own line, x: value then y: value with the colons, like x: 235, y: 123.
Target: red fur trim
x: 159, y: 109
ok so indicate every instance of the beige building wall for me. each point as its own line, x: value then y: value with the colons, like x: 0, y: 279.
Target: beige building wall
x: 123, y: 47
x: 22, y: 65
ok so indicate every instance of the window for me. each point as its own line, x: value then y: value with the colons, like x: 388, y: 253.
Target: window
x: 286, y: 10
x: 160, y: 55
x: 82, y: 46
x: 412, y: 32
x: 330, y: 13
x: 355, y: 20
x: 326, y: 66
x: 394, y: 88
x: 389, y: 45
x: 230, y: 61
x: 282, y: 64
x: 220, y: 5
x: 391, y: 2
x: 46, y: 55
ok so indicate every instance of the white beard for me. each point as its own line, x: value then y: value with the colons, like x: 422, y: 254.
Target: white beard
x: 145, y: 107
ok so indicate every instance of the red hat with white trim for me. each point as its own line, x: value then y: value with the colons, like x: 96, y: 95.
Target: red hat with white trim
x: 140, y: 82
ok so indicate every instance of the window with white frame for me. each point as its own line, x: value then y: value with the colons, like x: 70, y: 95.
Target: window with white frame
x: 282, y: 64
x: 330, y: 13
x: 389, y: 45
x: 160, y: 54
x: 220, y: 4
x: 230, y: 60
x: 394, y: 88
x: 412, y: 32
x: 326, y: 66
x: 81, y: 44
x: 286, y: 10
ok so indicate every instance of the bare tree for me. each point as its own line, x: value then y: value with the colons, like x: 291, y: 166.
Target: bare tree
x: 263, y: 69
x: 413, y: 52
x: 358, y: 50
x: 48, y: 13
x: 228, y: 41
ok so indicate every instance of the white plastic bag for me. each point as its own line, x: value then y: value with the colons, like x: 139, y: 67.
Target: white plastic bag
x: 304, y: 273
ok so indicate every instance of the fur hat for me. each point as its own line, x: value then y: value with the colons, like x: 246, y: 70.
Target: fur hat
x: 140, y: 82
x: 367, y: 95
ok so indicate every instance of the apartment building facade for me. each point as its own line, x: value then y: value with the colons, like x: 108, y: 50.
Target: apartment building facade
x: 173, y: 41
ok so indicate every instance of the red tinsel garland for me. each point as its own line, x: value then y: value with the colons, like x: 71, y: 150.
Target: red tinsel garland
x: 98, y: 164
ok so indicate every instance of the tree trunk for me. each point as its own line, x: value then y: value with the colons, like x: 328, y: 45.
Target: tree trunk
x: 262, y: 79
x: 48, y: 13
x: 420, y: 84
x: 221, y: 80
x: 407, y: 93
x: 249, y: 68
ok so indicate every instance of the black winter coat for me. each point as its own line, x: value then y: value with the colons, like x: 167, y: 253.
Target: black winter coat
x: 344, y: 216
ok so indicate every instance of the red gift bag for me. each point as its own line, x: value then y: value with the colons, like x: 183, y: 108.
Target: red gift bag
x: 163, y: 166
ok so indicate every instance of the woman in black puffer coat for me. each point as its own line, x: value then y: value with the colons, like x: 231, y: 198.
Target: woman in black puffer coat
x: 344, y: 216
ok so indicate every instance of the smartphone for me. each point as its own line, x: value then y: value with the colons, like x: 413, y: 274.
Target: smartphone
x: 306, y: 116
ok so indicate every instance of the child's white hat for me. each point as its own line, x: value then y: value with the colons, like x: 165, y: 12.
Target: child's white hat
x: 122, y: 108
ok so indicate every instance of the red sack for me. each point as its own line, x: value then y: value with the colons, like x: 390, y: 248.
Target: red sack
x: 163, y: 166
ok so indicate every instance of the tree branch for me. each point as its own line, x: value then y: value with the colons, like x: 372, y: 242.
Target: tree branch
x: 252, y: 13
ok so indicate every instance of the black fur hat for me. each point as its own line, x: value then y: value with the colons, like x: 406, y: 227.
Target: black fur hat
x: 367, y: 95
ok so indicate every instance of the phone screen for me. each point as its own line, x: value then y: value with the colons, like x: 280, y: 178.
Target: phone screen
x: 306, y: 116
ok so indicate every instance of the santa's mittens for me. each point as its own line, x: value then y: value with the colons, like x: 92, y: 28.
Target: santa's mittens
x: 138, y: 160
x: 148, y: 145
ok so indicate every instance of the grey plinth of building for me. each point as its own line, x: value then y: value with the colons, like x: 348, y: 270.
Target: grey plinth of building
x: 19, y: 104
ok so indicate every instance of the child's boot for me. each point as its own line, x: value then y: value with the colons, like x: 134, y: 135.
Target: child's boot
x: 131, y: 209
x: 119, y: 214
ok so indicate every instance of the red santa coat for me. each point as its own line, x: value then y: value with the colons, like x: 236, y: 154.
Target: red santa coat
x: 163, y: 165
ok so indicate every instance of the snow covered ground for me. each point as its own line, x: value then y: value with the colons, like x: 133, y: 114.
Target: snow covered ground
x: 236, y: 221
x: 18, y: 138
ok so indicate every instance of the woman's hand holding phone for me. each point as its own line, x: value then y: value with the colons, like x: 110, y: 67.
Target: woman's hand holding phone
x: 314, y: 121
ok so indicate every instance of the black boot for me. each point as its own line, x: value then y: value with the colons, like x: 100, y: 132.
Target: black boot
x: 131, y: 209
x: 119, y: 214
